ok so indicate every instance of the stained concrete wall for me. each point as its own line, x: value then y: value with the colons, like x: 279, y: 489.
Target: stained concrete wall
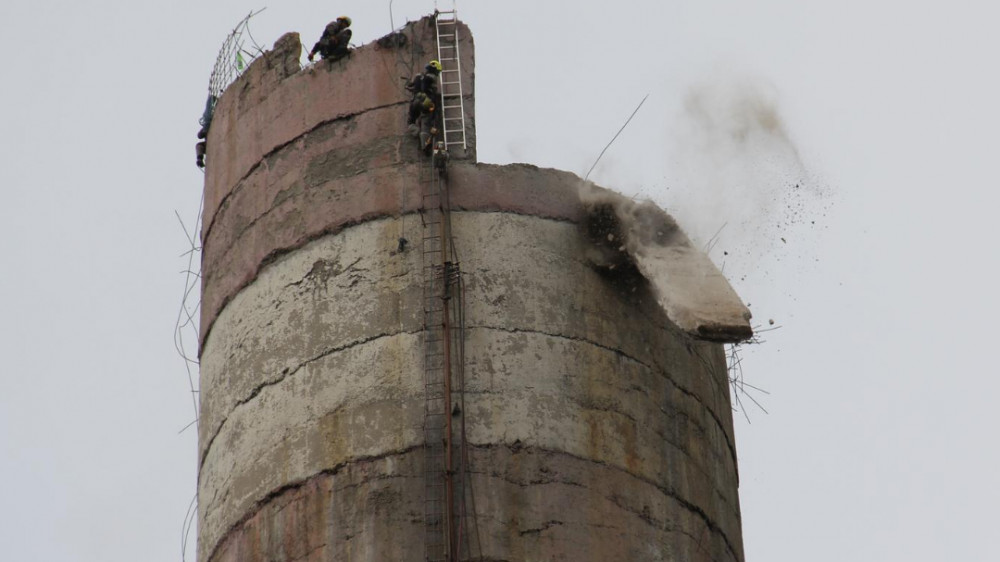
x: 598, y: 430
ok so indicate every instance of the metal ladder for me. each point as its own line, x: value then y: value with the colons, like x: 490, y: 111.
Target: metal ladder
x: 437, y: 438
x: 452, y: 103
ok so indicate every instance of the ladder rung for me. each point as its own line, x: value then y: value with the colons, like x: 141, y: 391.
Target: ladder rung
x: 449, y: 83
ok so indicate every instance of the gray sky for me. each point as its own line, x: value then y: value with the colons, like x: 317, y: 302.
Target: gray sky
x: 880, y: 439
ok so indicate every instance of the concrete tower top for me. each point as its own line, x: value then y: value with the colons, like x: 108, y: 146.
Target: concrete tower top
x: 295, y: 154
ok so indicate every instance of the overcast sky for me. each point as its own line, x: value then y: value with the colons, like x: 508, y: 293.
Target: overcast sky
x: 879, y: 267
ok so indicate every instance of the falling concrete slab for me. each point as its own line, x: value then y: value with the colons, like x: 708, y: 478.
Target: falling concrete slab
x: 691, y: 290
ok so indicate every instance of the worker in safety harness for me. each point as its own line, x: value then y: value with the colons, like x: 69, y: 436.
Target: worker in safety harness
x: 424, y: 107
x: 427, y: 82
x: 333, y: 43
x: 440, y: 158
x: 423, y: 120
x: 205, y: 122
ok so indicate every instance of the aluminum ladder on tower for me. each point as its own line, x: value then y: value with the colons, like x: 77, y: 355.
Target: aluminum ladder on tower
x: 452, y: 102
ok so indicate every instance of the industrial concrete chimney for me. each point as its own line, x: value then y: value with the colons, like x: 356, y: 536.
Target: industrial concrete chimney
x: 400, y: 365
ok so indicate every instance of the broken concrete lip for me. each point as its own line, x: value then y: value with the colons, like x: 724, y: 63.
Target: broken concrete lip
x: 727, y: 333
x: 690, y: 289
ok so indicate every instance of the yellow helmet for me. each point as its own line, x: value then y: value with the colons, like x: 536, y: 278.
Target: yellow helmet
x: 435, y: 65
x: 346, y: 20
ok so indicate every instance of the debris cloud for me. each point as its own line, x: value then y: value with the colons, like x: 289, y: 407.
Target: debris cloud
x: 738, y: 181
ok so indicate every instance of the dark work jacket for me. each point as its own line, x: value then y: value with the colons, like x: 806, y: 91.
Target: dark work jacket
x: 335, y: 37
x: 426, y: 83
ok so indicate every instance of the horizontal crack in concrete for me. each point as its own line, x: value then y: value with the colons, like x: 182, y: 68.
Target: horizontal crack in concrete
x: 288, y: 373
x: 648, y: 518
x: 665, y: 490
x: 486, y: 210
x: 312, y: 271
x: 273, y: 494
x: 282, y: 146
x: 656, y: 369
x: 308, y: 554
x: 270, y: 209
x: 276, y: 253
x: 273, y: 256
x: 539, y: 530
x: 517, y: 446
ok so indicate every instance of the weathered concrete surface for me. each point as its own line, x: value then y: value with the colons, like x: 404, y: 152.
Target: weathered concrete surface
x: 531, y: 505
x: 276, y: 210
x: 274, y: 103
x: 598, y: 429
x: 316, y: 365
x: 543, y: 505
x: 327, y: 517
x: 331, y: 295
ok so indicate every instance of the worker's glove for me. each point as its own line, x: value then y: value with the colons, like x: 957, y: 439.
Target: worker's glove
x: 310, y: 57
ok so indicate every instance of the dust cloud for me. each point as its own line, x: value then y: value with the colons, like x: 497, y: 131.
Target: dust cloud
x: 738, y: 182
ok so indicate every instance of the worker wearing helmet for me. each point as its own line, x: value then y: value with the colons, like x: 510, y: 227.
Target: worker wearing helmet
x: 334, y: 41
x: 428, y: 81
x: 424, y: 115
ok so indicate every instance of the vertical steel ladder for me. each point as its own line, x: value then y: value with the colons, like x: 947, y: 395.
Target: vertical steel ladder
x: 453, y: 105
x: 437, y: 510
